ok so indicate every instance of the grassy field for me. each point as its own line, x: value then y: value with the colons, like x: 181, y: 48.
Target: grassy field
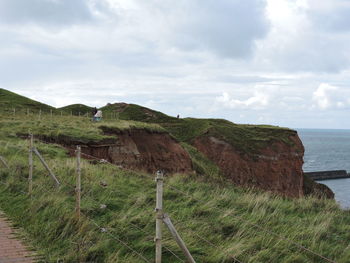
x: 10, y: 101
x: 217, y: 220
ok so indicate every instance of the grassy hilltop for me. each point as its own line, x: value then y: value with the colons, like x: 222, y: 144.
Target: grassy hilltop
x: 246, y: 138
x: 10, y: 100
x: 217, y: 220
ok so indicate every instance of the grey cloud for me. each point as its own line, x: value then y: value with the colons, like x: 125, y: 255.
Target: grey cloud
x: 226, y: 27
x: 53, y: 12
x: 160, y: 54
x: 314, y: 53
x: 338, y: 21
x: 331, y: 15
x: 244, y: 79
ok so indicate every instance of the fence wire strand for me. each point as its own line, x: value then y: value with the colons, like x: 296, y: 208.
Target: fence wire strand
x: 208, y: 242
x: 138, y: 228
x: 104, y: 230
x: 261, y: 228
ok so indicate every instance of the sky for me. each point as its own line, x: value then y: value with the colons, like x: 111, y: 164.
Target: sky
x: 279, y: 62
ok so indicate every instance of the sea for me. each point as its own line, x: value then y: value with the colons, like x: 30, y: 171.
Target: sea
x: 328, y: 150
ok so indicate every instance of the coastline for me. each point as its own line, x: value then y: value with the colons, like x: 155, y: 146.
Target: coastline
x: 328, y: 149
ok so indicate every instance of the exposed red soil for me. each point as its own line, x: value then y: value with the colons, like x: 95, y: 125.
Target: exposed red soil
x: 277, y: 168
x: 144, y: 151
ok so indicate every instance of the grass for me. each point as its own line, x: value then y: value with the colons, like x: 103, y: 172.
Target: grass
x: 233, y: 218
x: 68, y: 128
x: 76, y: 109
x: 238, y: 221
x: 10, y: 101
x: 247, y: 139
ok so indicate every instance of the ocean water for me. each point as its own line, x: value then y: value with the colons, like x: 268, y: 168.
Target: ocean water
x: 328, y: 150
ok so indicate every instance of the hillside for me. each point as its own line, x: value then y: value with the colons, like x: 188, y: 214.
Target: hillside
x: 76, y: 109
x: 236, y: 222
x: 215, y: 169
x: 262, y: 156
x: 10, y: 100
x: 243, y: 137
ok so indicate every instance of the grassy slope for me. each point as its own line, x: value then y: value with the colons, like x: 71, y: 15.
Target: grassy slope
x: 224, y: 215
x: 77, y: 129
x: 245, y: 138
x: 10, y: 100
x: 77, y: 109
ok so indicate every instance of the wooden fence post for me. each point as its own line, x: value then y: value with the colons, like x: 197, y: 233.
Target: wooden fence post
x: 14, y: 111
x: 40, y: 114
x: 30, y: 177
x: 159, y: 216
x: 46, y: 166
x: 78, y: 183
x: 178, y: 239
x: 51, y: 113
x: 2, y: 160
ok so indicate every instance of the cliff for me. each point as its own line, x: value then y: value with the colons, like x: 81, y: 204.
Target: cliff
x: 276, y: 168
x: 262, y: 156
x: 137, y: 149
x: 143, y: 150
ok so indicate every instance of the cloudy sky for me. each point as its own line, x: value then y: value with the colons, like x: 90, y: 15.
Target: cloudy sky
x: 281, y: 62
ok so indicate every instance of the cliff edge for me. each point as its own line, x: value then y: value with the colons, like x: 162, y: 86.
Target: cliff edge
x: 276, y: 168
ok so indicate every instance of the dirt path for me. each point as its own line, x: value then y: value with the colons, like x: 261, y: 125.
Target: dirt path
x: 12, y: 250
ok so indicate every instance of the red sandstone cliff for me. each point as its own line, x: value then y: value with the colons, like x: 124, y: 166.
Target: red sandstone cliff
x: 276, y: 168
x: 143, y: 150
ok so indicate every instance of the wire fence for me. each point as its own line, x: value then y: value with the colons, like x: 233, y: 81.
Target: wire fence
x: 86, y: 195
x: 43, y: 189
x: 50, y: 113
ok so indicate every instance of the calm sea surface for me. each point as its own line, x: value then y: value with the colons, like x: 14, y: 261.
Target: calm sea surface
x: 328, y: 150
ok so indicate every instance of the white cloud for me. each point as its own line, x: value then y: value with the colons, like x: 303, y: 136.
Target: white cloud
x: 321, y: 96
x: 327, y: 97
x: 259, y: 100
x: 306, y: 36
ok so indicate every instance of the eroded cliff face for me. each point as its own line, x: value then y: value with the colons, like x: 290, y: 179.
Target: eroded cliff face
x: 144, y: 151
x: 276, y: 168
